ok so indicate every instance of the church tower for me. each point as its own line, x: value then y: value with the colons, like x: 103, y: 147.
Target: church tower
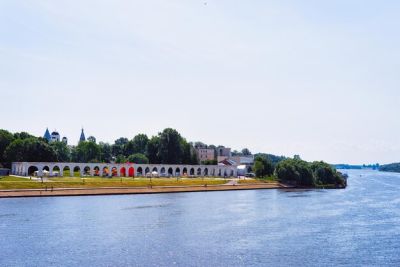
x: 82, y: 138
x: 47, y: 135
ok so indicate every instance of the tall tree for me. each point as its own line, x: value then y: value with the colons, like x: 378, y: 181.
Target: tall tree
x: 87, y: 152
x: 105, y: 152
x: 63, y: 152
x: 170, y: 149
x: 138, y: 158
x: 153, y: 150
x: 30, y: 149
x: 140, y: 143
x: 6, y: 138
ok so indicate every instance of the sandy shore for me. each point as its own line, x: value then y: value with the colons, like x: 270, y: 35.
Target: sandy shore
x: 132, y: 190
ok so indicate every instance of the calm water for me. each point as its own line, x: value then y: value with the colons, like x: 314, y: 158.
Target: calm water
x: 359, y: 226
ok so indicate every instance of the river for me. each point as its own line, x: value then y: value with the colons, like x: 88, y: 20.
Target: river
x: 357, y: 226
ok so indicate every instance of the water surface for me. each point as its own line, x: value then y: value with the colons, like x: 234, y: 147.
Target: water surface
x: 358, y: 226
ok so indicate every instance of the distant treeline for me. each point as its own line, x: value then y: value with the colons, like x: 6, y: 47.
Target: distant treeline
x: 356, y: 167
x: 393, y: 167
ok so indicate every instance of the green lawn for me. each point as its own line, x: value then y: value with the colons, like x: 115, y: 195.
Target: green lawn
x: 67, y: 182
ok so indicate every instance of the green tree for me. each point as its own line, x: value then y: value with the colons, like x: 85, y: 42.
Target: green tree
x: 295, y: 170
x: 23, y: 135
x: 105, y: 152
x: 139, y: 143
x: 263, y: 166
x: 246, y: 152
x: 138, y: 158
x: 170, y: 149
x: 87, y: 152
x: 121, y: 159
x: 325, y: 174
x: 6, y: 138
x: 62, y: 151
x: 153, y: 150
x: 30, y: 149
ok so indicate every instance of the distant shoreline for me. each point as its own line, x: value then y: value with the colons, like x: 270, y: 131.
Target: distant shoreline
x: 62, y: 192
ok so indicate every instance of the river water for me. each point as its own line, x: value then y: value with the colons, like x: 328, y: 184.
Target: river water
x: 358, y: 226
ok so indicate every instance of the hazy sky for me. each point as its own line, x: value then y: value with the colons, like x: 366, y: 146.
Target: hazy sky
x: 315, y: 78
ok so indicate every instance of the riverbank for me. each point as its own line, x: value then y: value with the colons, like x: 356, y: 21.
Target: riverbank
x: 134, y: 190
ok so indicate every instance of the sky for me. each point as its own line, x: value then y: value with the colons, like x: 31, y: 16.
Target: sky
x: 314, y: 78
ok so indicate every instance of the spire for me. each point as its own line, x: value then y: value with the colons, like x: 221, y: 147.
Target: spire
x: 47, y: 135
x: 82, y: 138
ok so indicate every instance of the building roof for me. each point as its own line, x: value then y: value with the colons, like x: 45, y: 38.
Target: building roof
x: 55, y: 133
x: 82, y: 138
x: 47, y: 135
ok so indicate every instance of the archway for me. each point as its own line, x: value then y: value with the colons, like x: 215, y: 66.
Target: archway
x: 77, y: 171
x: 86, y: 171
x: 178, y: 172
x: 170, y: 171
x: 155, y: 170
x: 96, y: 171
x: 225, y: 173
x: 106, y: 171
x: 122, y: 172
x: 192, y: 171
x: 67, y: 171
x: 114, y: 171
x: 56, y: 171
x: 198, y: 172
x: 140, y: 171
x: 206, y: 172
x: 131, y: 172
x: 232, y: 173
x: 33, y: 171
x: 184, y: 172
x: 162, y: 171
x: 46, y: 171
x: 219, y: 172
x: 147, y: 171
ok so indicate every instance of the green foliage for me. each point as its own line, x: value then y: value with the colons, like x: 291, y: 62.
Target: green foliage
x: 393, y: 167
x: 170, y: 149
x: 62, y: 151
x: 121, y: 159
x: 6, y: 138
x: 246, y: 152
x: 105, y: 152
x: 152, y: 150
x: 263, y: 166
x: 30, y: 149
x: 210, y: 162
x: 295, y: 170
x: 86, y: 152
x: 139, y: 143
x: 138, y: 158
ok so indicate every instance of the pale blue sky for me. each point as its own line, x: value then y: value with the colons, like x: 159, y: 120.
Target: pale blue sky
x: 285, y: 77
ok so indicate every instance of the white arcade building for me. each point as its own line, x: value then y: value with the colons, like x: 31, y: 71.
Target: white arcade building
x: 120, y: 170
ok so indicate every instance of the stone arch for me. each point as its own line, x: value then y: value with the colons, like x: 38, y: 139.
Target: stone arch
x: 177, y: 171
x: 96, y: 171
x: 66, y: 171
x: 147, y: 170
x: 56, y: 170
x: 232, y: 173
x: 131, y: 172
x: 184, y: 172
x: 219, y: 172
x: 122, y: 172
x: 225, y: 173
x: 154, y: 169
x: 198, y: 173
x: 170, y: 171
x: 114, y: 171
x: 162, y: 171
x: 32, y: 169
x: 140, y: 171
x: 77, y: 171
x: 205, y: 172
x: 86, y: 170
x: 191, y: 171
x: 106, y: 171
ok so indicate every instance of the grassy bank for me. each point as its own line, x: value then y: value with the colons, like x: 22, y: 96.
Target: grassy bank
x: 73, y: 182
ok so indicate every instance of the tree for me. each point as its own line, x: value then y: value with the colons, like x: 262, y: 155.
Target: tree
x: 105, y: 152
x: 325, y: 174
x: 138, y: 158
x: 6, y: 138
x: 295, y: 170
x: 87, y: 151
x: 246, y: 152
x: 119, y: 146
x: 23, y: 135
x: 62, y: 151
x: 152, y: 150
x: 139, y: 143
x: 170, y: 149
x: 29, y: 149
x: 121, y: 159
x: 263, y: 166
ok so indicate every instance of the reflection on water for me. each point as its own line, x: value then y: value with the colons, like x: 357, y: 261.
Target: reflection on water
x: 357, y: 226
